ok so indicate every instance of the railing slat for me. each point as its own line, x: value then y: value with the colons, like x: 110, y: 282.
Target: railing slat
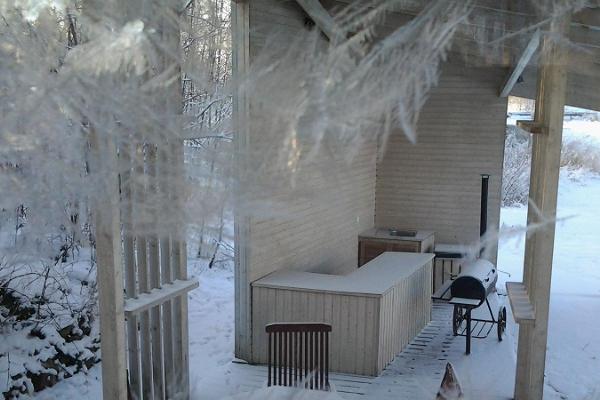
x: 306, y: 359
x: 285, y: 357
x: 269, y: 360
x: 290, y: 358
x: 296, y: 364
x: 280, y: 334
x: 321, y: 360
x: 327, y: 360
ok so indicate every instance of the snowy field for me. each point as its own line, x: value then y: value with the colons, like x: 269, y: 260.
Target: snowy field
x: 573, y: 362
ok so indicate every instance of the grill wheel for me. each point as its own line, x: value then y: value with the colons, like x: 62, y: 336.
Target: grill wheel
x: 501, y: 322
x: 458, y: 315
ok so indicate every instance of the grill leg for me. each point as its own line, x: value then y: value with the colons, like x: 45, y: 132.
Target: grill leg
x: 468, y: 316
x: 490, y: 309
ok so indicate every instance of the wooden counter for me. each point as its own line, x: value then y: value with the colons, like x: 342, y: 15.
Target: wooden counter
x: 374, y: 311
x: 376, y: 241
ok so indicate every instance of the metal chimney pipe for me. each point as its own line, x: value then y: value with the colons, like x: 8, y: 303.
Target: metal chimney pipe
x: 485, y: 178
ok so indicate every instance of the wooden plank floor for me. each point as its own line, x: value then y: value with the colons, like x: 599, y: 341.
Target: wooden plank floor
x: 348, y: 386
x: 417, y: 371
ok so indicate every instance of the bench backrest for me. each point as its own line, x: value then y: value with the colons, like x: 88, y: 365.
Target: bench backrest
x: 298, y: 355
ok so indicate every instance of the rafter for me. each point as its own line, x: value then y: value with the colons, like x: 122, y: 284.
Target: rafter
x: 516, y: 72
x: 322, y: 19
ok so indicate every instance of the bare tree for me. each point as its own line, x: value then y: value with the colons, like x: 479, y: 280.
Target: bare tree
x: 207, y: 102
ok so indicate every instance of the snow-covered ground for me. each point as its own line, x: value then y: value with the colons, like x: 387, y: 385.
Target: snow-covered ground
x: 211, y: 327
x: 583, y: 129
x: 573, y: 361
x: 211, y: 338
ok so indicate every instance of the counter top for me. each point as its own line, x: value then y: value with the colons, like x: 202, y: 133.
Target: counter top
x: 452, y: 248
x: 374, y: 278
x: 384, y: 233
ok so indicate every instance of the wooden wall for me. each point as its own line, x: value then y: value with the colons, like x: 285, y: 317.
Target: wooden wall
x: 436, y: 184
x: 311, y: 221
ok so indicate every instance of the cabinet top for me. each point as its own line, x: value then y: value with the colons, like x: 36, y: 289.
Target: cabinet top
x: 405, y: 235
x: 373, y: 279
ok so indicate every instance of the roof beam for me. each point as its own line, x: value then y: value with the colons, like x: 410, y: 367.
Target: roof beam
x: 588, y: 16
x: 516, y: 72
x: 322, y: 19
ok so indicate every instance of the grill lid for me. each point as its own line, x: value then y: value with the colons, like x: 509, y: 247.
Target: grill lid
x: 476, y: 280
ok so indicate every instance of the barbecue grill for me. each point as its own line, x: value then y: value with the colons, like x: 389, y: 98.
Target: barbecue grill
x: 476, y: 281
x: 471, y: 288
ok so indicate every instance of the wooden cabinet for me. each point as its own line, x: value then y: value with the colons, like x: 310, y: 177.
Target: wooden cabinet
x: 374, y: 312
x: 379, y: 240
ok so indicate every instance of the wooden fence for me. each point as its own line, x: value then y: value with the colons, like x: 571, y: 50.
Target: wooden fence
x: 147, y: 356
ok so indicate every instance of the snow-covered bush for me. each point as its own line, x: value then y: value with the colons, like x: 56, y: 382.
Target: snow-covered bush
x: 517, y: 167
x: 580, y: 153
x: 47, y: 314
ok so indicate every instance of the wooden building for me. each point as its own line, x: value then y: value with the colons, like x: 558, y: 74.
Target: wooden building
x: 433, y: 185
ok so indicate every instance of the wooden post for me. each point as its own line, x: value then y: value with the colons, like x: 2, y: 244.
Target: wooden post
x: 158, y: 374
x: 179, y: 269
x: 166, y: 274
x: 142, y: 270
x: 109, y: 270
x: 240, y: 27
x: 545, y: 166
x: 133, y: 342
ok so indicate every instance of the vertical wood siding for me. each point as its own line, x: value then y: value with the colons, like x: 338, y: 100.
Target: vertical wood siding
x: 436, y: 184
x: 314, y: 223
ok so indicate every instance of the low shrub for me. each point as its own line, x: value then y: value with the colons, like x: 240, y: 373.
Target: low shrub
x: 579, y: 153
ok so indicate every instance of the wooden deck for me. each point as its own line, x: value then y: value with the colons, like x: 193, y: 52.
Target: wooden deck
x: 416, y: 373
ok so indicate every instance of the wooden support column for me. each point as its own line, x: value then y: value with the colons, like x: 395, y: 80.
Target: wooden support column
x: 131, y: 290
x: 107, y: 219
x: 158, y: 373
x: 545, y: 166
x: 240, y: 32
x: 142, y: 270
x: 181, y: 353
